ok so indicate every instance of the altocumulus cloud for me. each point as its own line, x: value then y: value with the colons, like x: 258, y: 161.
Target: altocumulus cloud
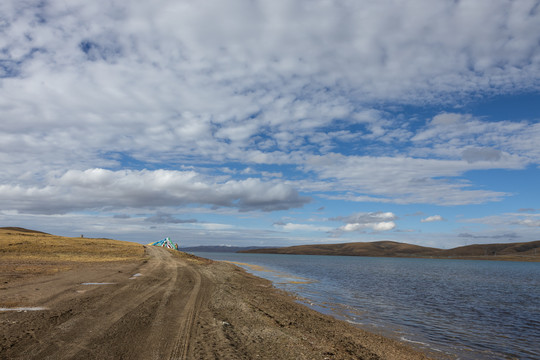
x: 376, y: 221
x: 259, y: 82
x: 432, y: 218
x: 162, y: 218
x: 302, y: 227
x: 100, y: 188
x: 294, y: 90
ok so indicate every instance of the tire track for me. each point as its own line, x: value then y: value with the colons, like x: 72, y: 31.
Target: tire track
x: 181, y: 344
x: 107, y: 308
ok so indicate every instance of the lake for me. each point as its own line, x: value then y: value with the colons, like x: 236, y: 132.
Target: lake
x: 465, y: 309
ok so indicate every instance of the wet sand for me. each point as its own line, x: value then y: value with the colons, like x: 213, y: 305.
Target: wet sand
x: 175, y: 308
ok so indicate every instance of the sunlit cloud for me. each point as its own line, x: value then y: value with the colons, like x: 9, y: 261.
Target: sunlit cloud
x: 433, y: 218
x: 375, y: 221
x: 100, y: 188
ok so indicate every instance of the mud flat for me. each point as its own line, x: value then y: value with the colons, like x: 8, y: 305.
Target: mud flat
x: 171, y: 306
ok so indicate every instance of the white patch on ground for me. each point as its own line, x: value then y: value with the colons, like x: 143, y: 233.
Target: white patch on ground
x: 98, y: 283
x: 20, y: 309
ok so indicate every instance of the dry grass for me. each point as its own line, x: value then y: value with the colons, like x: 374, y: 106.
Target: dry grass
x: 524, y: 251
x: 23, y: 246
x: 26, y: 253
x: 189, y: 257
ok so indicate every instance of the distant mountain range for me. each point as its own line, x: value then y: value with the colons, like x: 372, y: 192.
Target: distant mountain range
x: 529, y: 251
x: 221, y: 248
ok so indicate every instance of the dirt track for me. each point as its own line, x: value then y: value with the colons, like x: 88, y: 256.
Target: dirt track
x: 176, y: 309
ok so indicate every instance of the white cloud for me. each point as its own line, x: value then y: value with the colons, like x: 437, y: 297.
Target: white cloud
x: 98, y: 188
x: 504, y: 144
x: 472, y: 155
x: 432, y: 218
x: 400, y: 179
x: 507, y: 236
x: 297, y: 87
x: 518, y: 220
x: 433, y: 169
x: 380, y: 226
x: 213, y: 226
x: 529, y: 222
x: 376, y: 221
x: 303, y: 227
x: 164, y: 218
x: 176, y: 81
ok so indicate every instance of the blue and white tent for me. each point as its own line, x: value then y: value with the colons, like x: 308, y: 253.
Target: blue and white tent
x: 166, y: 243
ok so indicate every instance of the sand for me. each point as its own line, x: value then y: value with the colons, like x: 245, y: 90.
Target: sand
x: 174, y: 308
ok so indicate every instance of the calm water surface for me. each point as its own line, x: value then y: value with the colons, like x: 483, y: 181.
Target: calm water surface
x: 463, y: 308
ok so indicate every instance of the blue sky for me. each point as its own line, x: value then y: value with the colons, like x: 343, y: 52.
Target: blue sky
x: 272, y: 122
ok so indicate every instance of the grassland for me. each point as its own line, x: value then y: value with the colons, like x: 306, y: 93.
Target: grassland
x: 26, y: 253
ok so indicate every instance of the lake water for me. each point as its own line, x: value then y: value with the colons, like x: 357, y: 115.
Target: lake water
x: 464, y: 309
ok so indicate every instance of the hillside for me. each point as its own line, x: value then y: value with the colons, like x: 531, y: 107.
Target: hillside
x: 524, y: 249
x: 379, y: 248
x: 218, y: 248
x: 26, y: 253
x: 527, y: 251
x: 22, y: 230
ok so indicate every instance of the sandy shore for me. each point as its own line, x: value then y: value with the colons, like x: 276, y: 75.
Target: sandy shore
x: 174, y: 308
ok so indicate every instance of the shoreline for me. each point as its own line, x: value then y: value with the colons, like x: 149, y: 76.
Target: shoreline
x: 515, y: 258
x: 289, y: 311
x: 280, y: 280
x: 180, y: 306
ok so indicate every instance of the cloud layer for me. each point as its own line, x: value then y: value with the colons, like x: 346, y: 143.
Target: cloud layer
x: 261, y: 105
x: 376, y: 221
x: 104, y: 189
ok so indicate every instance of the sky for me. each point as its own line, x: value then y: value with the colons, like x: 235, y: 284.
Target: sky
x: 272, y: 123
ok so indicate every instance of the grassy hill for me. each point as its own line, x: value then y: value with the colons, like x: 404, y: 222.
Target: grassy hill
x: 25, y: 253
x: 379, y: 248
x: 527, y: 251
x: 23, y: 245
x: 523, y: 249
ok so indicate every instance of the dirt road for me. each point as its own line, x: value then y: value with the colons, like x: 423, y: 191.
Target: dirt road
x: 106, y: 312
x: 173, y: 308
